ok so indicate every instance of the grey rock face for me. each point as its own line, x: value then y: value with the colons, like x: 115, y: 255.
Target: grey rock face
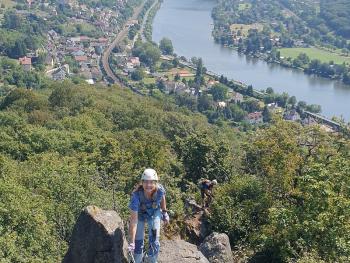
x: 176, y: 251
x: 98, y: 237
x: 216, y: 248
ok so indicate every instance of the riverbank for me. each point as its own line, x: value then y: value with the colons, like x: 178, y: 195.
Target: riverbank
x: 313, y: 66
x: 259, y: 29
x: 192, y: 36
x: 313, y: 52
x: 166, y: 79
x: 263, y: 40
x: 241, y: 86
x: 146, y: 27
x: 238, y: 86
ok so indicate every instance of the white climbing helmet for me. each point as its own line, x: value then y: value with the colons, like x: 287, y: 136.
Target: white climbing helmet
x: 149, y: 174
x: 214, y: 182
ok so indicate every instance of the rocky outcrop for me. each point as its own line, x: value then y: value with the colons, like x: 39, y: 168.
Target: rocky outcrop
x: 98, y: 237
x: 197, y: 227
x: 192, y: 207
x: 176, y: 251
x: 216, y: 248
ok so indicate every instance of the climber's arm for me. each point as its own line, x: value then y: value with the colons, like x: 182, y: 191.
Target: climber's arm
x: 163, y: 203
x: 165, y: 216
x: 133, y: 226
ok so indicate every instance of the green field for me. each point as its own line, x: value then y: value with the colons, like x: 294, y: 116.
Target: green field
x: 149, y: 80
x: 245, y: 28
x: 315, y: 53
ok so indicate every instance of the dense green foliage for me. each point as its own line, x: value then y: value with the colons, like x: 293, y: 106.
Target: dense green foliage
x: 294, y: 198
x: 166, y: 46
x: 20, y: 34
x: 138, y: 74
x: 148, y: 53
x: 219, y: 92
x: 69, y: 146
x: 148, y: 25
x: 336, y: 15
x: 11, y: 73
x: 309, y: 20
x: 283, y: 190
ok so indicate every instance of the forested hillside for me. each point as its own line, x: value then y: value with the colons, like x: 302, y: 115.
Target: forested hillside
x: 69, y: 146
x: 337, y: 16
x: 314, y: 22
x: 283, y: 190
x: 312, y: 35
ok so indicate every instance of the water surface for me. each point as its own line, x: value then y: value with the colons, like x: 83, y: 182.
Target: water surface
x: 188, y: 24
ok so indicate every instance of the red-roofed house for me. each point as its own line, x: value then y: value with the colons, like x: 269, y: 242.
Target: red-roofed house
x: 212, y: 82
x: 134, y: 61
x: 26, y: 63
x: 81, y: 58
x: 102, y: 40
x: 185, y: 73
x: 84, y: 39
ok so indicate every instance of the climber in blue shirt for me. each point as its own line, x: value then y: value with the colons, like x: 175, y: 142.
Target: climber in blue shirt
x: 147, y: 205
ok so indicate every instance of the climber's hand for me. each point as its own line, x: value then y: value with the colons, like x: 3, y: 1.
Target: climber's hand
x: 131, y: 247
x: 165, y: 217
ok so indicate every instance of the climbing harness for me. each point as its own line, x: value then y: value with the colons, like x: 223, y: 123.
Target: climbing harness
x: 147, y: 210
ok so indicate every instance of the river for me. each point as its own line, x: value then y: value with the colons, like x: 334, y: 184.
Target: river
x: 188, y: 24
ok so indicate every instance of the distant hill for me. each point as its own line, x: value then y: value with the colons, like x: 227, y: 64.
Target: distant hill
x: 336, y: 14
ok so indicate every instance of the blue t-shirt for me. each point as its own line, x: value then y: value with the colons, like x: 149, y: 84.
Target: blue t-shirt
x: 205, y: 185
x: 135, y: 202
